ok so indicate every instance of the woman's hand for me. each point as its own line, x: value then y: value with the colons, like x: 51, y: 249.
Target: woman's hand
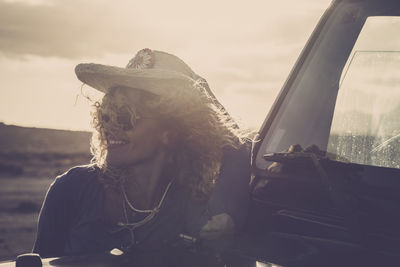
x: 279, y: 167
x: 219, y: 225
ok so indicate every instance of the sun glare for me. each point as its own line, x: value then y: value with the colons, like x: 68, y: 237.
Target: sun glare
x: 245, y: 52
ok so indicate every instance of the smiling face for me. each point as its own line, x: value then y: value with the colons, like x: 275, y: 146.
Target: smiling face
x: 129, y: 137
x: 134, y: 146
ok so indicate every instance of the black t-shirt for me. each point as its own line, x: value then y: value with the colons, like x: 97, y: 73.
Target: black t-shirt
x: 71, y: 220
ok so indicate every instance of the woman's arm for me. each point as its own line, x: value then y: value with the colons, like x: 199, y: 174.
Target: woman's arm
x: 228, y: 205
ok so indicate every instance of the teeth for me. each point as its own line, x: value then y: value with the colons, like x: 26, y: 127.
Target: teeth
x: 116, y: 142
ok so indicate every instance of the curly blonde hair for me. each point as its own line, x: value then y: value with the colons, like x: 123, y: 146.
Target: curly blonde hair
x: 202, y: 131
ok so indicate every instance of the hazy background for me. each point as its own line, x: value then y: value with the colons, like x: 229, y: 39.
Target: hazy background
x: 245, y: 49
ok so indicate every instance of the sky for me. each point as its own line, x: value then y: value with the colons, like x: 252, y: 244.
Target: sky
x: 244, y: 49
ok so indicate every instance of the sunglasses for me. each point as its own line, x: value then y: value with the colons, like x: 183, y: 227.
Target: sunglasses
x: 124, y: 118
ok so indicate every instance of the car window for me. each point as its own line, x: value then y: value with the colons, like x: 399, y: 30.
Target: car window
x: 305, y: 106
x: 366, y: 125
x: 343, y: 93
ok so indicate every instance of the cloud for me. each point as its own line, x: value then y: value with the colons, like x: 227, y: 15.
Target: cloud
x: 67, y: 29
x: 245, y: 51
x: 78, y: 28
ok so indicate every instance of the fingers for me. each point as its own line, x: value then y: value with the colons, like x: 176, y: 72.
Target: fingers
x: 277, y: 167
x: 295, y: 148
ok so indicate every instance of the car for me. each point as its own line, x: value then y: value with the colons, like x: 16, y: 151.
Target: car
x: 326, y: 161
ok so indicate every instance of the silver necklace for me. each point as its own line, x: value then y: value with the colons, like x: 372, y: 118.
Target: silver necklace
x: 152, y: 213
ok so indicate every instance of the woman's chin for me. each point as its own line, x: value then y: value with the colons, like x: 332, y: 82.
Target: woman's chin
x: 117, y: 162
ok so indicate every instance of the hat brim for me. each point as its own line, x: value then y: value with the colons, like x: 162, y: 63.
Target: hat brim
x: 156, y: 81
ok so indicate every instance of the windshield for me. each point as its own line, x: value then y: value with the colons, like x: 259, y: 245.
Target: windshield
x: 366, y: 125
x: 346, y: 96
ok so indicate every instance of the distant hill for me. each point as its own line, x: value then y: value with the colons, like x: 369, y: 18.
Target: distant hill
x: 16, y: 139
x: 38, y: 152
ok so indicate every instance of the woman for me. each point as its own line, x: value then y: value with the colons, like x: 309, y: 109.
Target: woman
x: 167, y: 161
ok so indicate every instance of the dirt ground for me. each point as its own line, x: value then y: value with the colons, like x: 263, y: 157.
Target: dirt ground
x: 20, y: 201
x: 30, y: 159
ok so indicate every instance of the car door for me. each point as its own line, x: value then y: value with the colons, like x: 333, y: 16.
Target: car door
x: 342, y: 99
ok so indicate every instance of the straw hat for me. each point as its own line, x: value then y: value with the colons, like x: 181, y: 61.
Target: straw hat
x: 154, y: 71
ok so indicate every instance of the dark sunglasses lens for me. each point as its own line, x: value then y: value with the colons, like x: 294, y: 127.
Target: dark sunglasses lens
x: 125, y: 121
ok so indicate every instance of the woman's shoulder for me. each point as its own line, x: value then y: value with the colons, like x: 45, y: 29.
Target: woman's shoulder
x: 74, y: 184
x: 235, y: 168
x: 77, y: 176
x: 237, y: 155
